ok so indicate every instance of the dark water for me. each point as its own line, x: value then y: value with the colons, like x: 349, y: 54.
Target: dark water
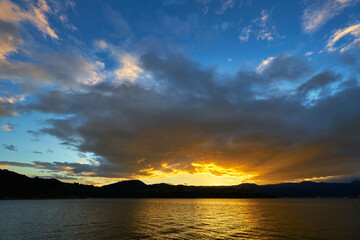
x: 180, y: 219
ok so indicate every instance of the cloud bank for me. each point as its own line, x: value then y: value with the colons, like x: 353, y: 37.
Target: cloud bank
x: 200, y: 117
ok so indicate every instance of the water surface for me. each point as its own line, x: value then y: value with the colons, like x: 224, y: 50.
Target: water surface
x: 180, y: 219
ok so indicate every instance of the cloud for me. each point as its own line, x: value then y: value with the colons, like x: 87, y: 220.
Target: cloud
x: 7, y: 110
x: 127, y: 69
x: 15, y: 164
x: 261, y: 27
x: 263, y: 22
x: 10, y: 17
x: 101, y: 44
x: 245, y: 34
x: 59, y: 69
x: 223, y: 26
x: 264, y: 64
x: 179, y: 72
x: 321, y: 86
x: 34, y: 133
x: 225, y: 4
x: 13, y: 99
x: 40, y: 20
x: 10, y: 147
x: 40, y: 69
x: 130, y: 70
x: 283, y: 67
x: 318, y: 81
x: 8, y: 105
x: 72, y: 168
x: 9, y: 38
x: 340, y: 34
x: 318, y: 13
x: 200, y: 117
x: 205, y: 4
x: 7, y: 127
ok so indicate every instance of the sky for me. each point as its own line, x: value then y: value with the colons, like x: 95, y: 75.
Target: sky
x: 197, y: 92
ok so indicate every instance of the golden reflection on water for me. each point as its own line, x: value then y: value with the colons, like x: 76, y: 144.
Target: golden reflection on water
x: 249, y: 218
x: 180, y: 219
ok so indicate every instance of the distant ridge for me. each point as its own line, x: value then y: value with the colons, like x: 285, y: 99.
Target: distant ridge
x: 17, y: 186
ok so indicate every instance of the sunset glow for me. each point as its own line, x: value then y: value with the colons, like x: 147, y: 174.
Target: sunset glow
x: 180, y: 92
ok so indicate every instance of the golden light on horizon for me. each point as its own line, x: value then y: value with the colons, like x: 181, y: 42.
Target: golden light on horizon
x: 202, y: 174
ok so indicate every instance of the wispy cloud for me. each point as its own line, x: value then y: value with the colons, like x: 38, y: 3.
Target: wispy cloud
x: 60, y: 69
x: 225, y: 4
x: 11, y: 15
x: 351, y: 31
x: 205, y: 4
x: 261, y: 27
x: 245, y: 34
x: 318, y: 13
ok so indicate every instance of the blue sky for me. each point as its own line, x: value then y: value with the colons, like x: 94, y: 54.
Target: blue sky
x: 198, y: 92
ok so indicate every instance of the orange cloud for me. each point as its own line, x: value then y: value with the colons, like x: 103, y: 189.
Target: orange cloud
x: 200, y: 174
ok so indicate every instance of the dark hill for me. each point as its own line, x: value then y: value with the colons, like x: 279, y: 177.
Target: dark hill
x: 17, y: 186
x: 129, y: 188
x: 13, y: 185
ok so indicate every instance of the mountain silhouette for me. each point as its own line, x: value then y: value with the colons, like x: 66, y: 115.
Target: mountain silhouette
x: 17, y: 186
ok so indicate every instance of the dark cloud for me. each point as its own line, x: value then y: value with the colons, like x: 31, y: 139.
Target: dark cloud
x: 180, y: 74
x: 16, y: 164
x: 34, y: 133
x: 10, y: 147
x: 70, y: 168
x: 318, y: 82
x: 37, y: 152
x: 202, y: 116
x: 75, y: 168
x: 284, y: 67
x: 60, y: 177
x: 6, y: 109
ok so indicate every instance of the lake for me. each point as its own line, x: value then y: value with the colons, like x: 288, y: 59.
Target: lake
x: 180, y: 219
